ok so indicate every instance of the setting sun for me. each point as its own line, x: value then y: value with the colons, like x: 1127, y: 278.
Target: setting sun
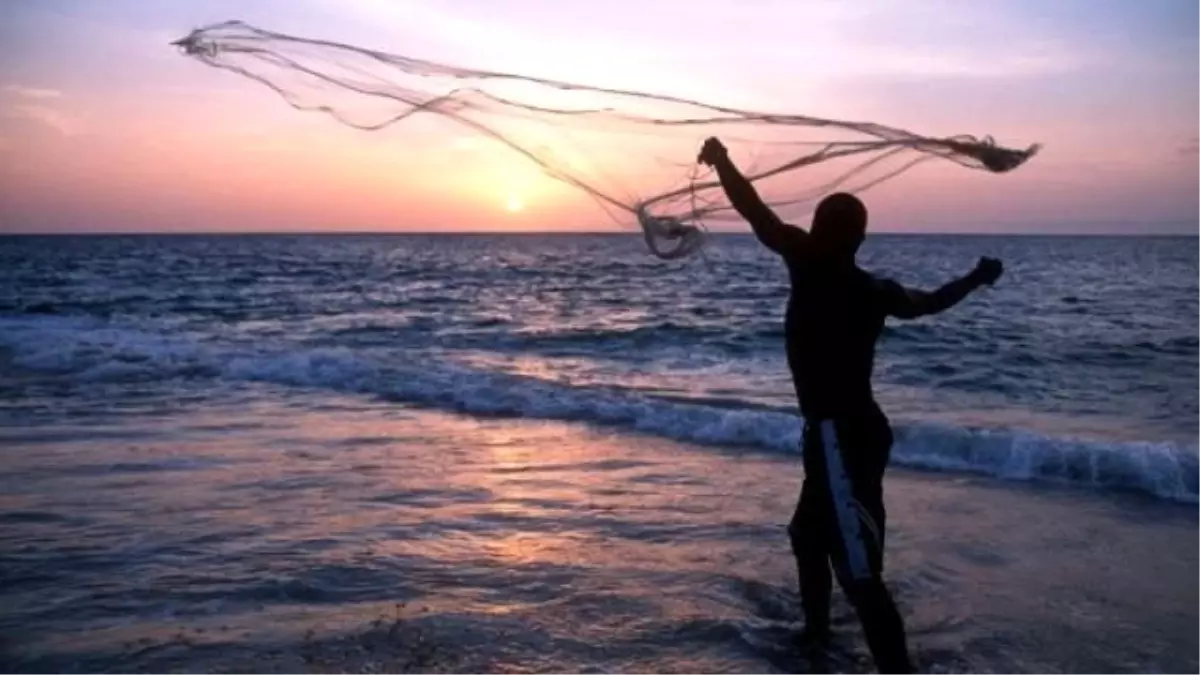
x: 514, y: 204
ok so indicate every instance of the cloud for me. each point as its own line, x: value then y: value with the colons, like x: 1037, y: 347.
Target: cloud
x: 35, y: 104
x: 65, y: 124
x: 37, y: 93
x: 816, y: 40
x: 1191, y: 147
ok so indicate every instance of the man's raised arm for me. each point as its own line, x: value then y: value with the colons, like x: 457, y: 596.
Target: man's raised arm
x: 775, y: 234
x: 906, y: 303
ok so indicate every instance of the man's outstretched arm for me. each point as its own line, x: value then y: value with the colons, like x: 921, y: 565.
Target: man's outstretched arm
x: 906, y: 303
x: 770, y: 230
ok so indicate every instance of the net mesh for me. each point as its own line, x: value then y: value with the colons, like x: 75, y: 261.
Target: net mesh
x: 588, y: 136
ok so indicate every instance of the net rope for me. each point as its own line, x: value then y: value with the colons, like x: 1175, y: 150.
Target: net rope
x: 572, y: 131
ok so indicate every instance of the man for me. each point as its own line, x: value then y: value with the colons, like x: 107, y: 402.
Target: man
x: 835, y: 315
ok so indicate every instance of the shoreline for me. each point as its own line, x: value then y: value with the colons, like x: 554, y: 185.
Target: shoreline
x: 522, y: 545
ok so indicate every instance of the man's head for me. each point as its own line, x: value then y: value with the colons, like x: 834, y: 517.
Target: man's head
x: 839, y: 225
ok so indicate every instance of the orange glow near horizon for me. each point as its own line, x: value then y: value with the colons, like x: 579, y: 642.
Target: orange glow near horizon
x: 148, y: 140
x: 312, y: 174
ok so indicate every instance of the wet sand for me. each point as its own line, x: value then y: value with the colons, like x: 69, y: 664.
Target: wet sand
x: 363, y: 538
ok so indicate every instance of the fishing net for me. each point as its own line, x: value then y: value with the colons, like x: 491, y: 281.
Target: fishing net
x: 599, y: 140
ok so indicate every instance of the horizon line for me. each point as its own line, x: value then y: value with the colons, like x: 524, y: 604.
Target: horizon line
x: 427, y: 233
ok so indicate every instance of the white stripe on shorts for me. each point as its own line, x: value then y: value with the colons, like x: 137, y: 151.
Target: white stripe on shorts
x: 844, y: 504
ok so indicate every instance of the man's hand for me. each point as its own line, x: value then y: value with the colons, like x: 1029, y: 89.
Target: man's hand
x: 987, y: 271
x: 904, y: 303
x: 713, y: 152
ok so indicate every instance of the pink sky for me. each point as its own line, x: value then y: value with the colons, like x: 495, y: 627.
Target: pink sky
x: 104, y: 127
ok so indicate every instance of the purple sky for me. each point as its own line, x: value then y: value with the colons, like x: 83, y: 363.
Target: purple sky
x: 104, y: 127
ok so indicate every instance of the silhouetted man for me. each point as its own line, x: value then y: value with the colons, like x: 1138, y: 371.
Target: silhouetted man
x: 835, y: 315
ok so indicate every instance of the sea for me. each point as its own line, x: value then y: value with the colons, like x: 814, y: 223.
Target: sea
x: 558, y: 453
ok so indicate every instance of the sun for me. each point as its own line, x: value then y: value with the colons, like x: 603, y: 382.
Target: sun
x: 514, y: 204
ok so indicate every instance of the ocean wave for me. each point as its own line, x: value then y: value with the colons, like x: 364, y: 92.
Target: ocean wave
x: 89, y: 350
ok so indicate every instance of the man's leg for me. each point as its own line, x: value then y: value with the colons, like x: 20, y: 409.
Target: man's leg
x: 858, y: 553
x: 809, y: 534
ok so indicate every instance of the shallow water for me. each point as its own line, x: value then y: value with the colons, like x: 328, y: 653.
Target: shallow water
x: 279, y: 532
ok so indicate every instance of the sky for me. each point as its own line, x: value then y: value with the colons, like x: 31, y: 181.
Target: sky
x: 104, y: 127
